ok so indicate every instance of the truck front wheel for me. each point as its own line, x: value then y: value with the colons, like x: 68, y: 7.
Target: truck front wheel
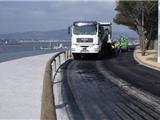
x: 76, y: 56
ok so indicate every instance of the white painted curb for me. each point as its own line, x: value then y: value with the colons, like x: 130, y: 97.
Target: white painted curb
x: 144, y: 64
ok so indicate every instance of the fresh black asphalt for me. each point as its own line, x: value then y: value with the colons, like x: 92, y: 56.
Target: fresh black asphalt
x: 125, y: 67
x: 91, y: 96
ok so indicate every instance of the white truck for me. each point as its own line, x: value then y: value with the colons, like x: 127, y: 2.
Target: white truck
x: 89, y: 37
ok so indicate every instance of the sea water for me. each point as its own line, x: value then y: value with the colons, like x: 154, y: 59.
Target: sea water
x: 14, y: 51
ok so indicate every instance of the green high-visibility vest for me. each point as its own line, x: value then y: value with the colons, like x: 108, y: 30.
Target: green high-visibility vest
x: 123, y: 42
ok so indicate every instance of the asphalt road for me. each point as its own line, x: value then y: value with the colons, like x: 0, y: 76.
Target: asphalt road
x: 91, y: 96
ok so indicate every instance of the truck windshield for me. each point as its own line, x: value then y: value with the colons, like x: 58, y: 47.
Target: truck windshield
x: 83, y: 30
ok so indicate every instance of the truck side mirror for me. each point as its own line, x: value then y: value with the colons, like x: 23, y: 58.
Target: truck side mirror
x: 106, y: 31
x: 69, y: 30
x: 111, y: 30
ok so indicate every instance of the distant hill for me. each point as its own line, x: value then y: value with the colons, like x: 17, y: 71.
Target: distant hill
x: 55, y: 34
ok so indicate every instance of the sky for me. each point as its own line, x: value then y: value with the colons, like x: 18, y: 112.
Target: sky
x: 16, y: 16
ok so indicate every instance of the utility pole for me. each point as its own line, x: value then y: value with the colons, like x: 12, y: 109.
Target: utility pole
x: 158, y: 53
x: 142, y: 22
x: 142, y: 28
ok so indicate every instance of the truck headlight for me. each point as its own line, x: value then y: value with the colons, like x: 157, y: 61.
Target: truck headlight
x: 73, y: 49
x: 96, y: 47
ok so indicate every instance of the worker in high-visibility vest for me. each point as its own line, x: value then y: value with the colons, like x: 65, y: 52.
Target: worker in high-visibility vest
x: 123, y: 43
x: 115, y: 48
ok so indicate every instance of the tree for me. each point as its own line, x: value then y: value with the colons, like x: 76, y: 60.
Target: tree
x: 140, y: 16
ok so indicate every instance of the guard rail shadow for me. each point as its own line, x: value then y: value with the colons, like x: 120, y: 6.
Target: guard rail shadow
x: 47, y: 100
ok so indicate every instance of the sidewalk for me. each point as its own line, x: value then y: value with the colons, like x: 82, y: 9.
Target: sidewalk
x: 21, y: 83
x: 149, y: 60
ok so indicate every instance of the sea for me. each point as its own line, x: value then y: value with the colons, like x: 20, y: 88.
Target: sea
x: 19, y: 50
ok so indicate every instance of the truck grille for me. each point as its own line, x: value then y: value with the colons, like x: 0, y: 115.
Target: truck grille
x: 83, y: 40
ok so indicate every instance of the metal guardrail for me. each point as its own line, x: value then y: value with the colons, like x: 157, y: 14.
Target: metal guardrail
x: 47, y: 103
x: 59, y: 59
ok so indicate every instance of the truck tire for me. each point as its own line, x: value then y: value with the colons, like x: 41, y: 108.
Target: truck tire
x: 76, y: 56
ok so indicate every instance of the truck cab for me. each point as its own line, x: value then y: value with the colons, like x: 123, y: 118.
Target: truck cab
x: 87, y: 38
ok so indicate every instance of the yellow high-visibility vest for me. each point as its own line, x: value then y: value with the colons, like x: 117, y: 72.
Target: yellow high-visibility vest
x: 113, y: 46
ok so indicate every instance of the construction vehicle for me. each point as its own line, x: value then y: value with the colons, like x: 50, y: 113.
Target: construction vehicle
x: 89, y: 38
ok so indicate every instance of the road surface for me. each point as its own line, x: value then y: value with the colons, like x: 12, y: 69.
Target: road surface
x: 91, y: 96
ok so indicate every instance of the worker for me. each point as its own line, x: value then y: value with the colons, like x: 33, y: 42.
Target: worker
x: 115, y: 48
x: 113, y: 45
x: 123, y: 43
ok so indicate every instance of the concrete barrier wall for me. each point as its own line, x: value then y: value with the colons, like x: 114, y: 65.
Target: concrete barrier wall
x: 47, y: 103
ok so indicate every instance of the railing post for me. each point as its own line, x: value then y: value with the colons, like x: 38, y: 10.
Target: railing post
x: 66, y: 55
x: 70, y: 54
x: 54, y: 68
x: 59, y: 60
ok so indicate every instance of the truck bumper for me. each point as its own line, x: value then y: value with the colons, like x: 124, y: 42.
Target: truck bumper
x: 85, y: 49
